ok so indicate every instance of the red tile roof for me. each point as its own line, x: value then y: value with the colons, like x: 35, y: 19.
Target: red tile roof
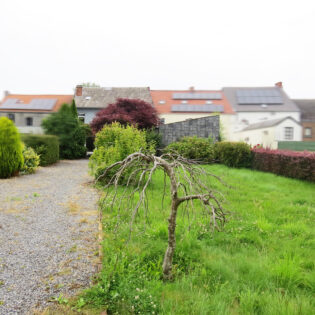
x: 26, y: 99
x: 167, y: 96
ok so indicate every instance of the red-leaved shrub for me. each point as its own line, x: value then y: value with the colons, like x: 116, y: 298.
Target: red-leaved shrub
x: 293, y: 164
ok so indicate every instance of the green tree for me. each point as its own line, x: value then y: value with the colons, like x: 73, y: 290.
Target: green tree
x: 70, y: 131
x: 11, y: 157
x: 74, y: 109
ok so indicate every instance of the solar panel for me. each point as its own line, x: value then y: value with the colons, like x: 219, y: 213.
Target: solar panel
x: 197, y: 96
x: 258, y: 96
x: 35, y: 104
x: 197, y: 108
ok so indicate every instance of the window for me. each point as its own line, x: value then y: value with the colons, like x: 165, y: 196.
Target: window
x: 288, y: 133
x: 29, y: 121
x: 162, y: 102
x: 81, y: 117
x: 308, y: 132
x: 11, y: 117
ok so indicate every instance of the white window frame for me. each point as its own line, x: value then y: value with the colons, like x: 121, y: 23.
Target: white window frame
x: 288, y: 133
x: 308, y: 132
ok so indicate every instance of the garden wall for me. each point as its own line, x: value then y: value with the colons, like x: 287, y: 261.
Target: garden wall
x: 296, y: 145
x: 201, y: 127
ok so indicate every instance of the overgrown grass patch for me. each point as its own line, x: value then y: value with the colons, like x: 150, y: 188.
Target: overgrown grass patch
x: 261, y: 263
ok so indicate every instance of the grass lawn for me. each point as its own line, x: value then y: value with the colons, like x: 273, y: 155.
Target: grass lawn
x: 261, y: 263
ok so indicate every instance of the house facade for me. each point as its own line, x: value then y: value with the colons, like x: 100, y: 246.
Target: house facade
x: 307, y: 108
x: 180, y: 105
x: 263, y: 115
x: 90, y: 100
x: 28, y: 111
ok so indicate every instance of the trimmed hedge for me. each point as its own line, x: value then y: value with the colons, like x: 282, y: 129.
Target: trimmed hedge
x: 46, y: 146
x: 300, y: 165
x: 11, y: 157
x: 193, y: 148
x: 233, y: 154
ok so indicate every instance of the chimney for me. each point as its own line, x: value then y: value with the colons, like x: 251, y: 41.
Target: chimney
x: 78, y: 90
x: 6, y: 93
x: 192, y: 89
x: 279, y: 84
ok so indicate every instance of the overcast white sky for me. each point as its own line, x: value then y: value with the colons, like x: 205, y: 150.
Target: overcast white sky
x: 50, y: 46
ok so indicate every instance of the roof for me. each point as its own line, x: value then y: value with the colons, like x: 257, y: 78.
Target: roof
x: 259, y: 99
x: 307, y: 107
x: 34, y: 103
x: 187, y: 101
x: 101, y: 97
x: 268, y: 123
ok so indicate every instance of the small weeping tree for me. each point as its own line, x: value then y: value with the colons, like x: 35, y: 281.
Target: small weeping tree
x: 187, y: 183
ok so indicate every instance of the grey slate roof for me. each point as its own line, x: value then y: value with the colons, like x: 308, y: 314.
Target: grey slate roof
x: 288, y: 105
x: 307, y: 108
x: 100, y: 97
x: 268, y: 123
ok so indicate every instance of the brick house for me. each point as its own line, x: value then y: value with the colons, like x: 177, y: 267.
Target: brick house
x: 307, y: 108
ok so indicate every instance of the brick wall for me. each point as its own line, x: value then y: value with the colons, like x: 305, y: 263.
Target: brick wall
x: 201, y: 127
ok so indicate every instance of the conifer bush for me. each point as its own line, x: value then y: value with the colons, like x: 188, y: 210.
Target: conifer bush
x: 31, y: 161
x: 11, y: 157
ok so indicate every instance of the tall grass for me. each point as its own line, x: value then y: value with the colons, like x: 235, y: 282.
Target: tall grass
x: 261, y: 263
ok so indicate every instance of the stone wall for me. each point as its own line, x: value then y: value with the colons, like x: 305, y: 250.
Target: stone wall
x: 201, y: 127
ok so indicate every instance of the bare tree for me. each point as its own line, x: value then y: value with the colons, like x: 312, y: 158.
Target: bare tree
x: 187, y: 183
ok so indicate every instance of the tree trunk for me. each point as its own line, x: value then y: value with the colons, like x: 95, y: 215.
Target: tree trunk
x: 168, y: 257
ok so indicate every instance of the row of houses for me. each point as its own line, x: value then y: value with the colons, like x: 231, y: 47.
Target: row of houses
x: 264, y: 115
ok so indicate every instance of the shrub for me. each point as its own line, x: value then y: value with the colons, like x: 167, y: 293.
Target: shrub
x: 153, y: 138
x: 11, y: 158
x: 31, y: 161
x: 194, y: 148
x: 70, y: 131
x: 233, y: 154
x: 113, y: 143
x: 299, y: 165
x: 126, y: 111
x: 47, y: 147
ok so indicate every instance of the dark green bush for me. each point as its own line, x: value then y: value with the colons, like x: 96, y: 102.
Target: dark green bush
x: 31, y: 161
x: 11, y: 158
x: 194, y: 148
x: 233, y: 154
x: 70, y: 131
x: 153, y: 137
x: 47, y: 147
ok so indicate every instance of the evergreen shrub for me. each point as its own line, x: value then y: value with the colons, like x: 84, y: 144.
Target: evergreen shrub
x: 46, y: 146
x: 233, y: 154
x: 194, y: 148
x: 31, y: 161
x: 11, y: 157
x: 113, y: 143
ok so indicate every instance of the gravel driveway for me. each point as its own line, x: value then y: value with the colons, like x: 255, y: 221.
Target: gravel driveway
x: 48, y: 236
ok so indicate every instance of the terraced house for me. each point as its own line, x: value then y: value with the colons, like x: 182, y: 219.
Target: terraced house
x: 28, y: 111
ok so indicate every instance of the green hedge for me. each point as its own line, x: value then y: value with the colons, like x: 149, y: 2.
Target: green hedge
x: 233, y: 154
x: 46, y: 146
x: 194, y: 148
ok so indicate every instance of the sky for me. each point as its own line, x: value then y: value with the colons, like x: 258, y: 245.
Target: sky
x: 48, y: 47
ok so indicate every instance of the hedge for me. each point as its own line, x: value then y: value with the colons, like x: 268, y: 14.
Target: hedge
x: 300, y: 165
x: 46, y: 146
x: 233, y: 154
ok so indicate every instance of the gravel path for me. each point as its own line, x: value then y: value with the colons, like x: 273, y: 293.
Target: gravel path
x: 48, y: 236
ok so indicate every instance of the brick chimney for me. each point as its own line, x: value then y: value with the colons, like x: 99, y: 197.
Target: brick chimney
x: 6, y: 93
x: 279, y: 84
x: 78, y: 90
x: 192, y: 89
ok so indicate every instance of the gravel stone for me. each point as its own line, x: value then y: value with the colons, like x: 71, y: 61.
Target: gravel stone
x: 48, y: 236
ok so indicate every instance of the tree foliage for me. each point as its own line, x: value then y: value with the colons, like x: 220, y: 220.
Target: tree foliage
x: 70, y: 131
x: 11, y: 157
x: 126, y: 111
